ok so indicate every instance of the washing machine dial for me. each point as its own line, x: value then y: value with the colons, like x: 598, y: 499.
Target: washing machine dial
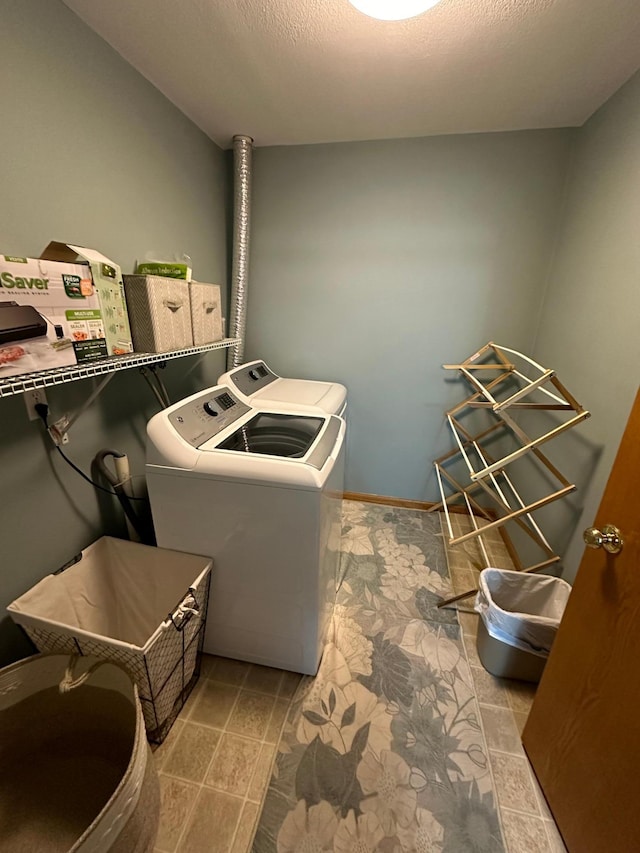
x: 210, y: 408
x: 253, y: 374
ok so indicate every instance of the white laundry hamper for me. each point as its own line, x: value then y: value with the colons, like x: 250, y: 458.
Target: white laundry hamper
x: 141, y: 607
x: 76, y: 771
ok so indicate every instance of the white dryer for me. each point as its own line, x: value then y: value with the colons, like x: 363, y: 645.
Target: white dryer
x: 260, y: 491
x: 257, y: 384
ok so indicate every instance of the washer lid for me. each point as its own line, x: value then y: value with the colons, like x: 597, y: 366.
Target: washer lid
x: 275, y: 434
x: 277, y: 438
x: 213, y: 433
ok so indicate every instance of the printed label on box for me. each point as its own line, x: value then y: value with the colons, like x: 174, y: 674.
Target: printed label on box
x: 89, y: 350
x: 87, y: 333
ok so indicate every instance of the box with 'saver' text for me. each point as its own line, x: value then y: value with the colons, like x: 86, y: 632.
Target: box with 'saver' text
x: 52, y: 315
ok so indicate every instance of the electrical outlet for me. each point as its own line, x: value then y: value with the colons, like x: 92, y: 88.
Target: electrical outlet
x: 38, y: 395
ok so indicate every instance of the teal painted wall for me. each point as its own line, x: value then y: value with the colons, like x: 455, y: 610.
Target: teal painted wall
x: 589, y: 324
x: 373, y: 263
x: 91, y: 153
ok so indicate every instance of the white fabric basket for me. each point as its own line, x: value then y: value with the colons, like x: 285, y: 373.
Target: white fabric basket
x: 206, y: 312
x: 141, y: 607
x: 159, y: 313
x: 522, y: 610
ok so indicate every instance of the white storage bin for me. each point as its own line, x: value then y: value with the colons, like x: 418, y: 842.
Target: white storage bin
x: 206, y: 312
x: 135, y: 605
x: 159, y: 313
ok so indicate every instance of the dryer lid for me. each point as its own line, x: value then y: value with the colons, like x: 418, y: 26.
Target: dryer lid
x: 307, y: 392
x: 260, y: 385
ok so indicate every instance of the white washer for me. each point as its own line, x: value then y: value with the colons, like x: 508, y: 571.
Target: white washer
x: 257, y: 385
x: 260, y: 492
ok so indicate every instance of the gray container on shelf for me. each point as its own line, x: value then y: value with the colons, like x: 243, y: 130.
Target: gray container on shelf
x: 159, y: 313
x: 519, y: 617
x: 206, y: 312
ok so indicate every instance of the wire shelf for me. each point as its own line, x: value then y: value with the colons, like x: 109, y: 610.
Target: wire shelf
x: 11, y: 385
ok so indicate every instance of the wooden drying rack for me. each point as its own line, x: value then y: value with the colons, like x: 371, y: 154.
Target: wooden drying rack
x: 508, y: 391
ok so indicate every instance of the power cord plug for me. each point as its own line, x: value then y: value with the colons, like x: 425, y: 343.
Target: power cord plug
x: 42, y: 410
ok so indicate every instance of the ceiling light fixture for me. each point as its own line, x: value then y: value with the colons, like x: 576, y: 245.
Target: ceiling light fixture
x: 393, y: 10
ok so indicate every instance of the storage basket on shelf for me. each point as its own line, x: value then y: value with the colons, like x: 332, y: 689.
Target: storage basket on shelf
x: 159, y: 313
x: 136, y: 605
x: 206, y: 312
x: 76, y: 773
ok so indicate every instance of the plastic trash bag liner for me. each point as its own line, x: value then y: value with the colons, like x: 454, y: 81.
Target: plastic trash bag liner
x: 522, y: 610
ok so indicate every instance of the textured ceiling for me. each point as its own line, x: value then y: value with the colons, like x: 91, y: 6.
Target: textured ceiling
x: 307, y: 71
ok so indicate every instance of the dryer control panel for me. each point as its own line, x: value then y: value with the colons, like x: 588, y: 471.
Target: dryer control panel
x: 207, y: 415
x: 252, y: 377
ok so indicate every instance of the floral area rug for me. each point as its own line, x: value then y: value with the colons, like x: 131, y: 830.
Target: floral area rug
x: 382, y: 750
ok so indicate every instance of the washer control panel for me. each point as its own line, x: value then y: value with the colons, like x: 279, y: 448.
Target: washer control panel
x: 252, y: 377
x: 207, y: 415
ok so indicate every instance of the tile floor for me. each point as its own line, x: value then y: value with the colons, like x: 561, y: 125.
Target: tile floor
x: 216, y: 762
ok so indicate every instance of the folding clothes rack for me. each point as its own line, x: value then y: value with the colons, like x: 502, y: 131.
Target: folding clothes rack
x: 506, y: 394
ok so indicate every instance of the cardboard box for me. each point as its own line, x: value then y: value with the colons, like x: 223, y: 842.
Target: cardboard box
x: 54, y: 314
x: 107, y: 280
x: 64, y: 298
x: 206, y: 313
x: 160, y: 313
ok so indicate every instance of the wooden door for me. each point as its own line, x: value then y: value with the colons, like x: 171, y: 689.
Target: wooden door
x: 583, y: 734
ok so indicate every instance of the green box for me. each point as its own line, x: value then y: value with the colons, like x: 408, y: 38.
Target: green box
x: 164, y: 269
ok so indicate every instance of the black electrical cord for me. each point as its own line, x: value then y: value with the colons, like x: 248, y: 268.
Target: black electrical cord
x: 43, y: 411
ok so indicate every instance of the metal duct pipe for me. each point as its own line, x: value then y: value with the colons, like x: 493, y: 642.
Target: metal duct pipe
x: 242, y: 151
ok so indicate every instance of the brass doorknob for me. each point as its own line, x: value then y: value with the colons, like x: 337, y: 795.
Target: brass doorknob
x: 609, y: 538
